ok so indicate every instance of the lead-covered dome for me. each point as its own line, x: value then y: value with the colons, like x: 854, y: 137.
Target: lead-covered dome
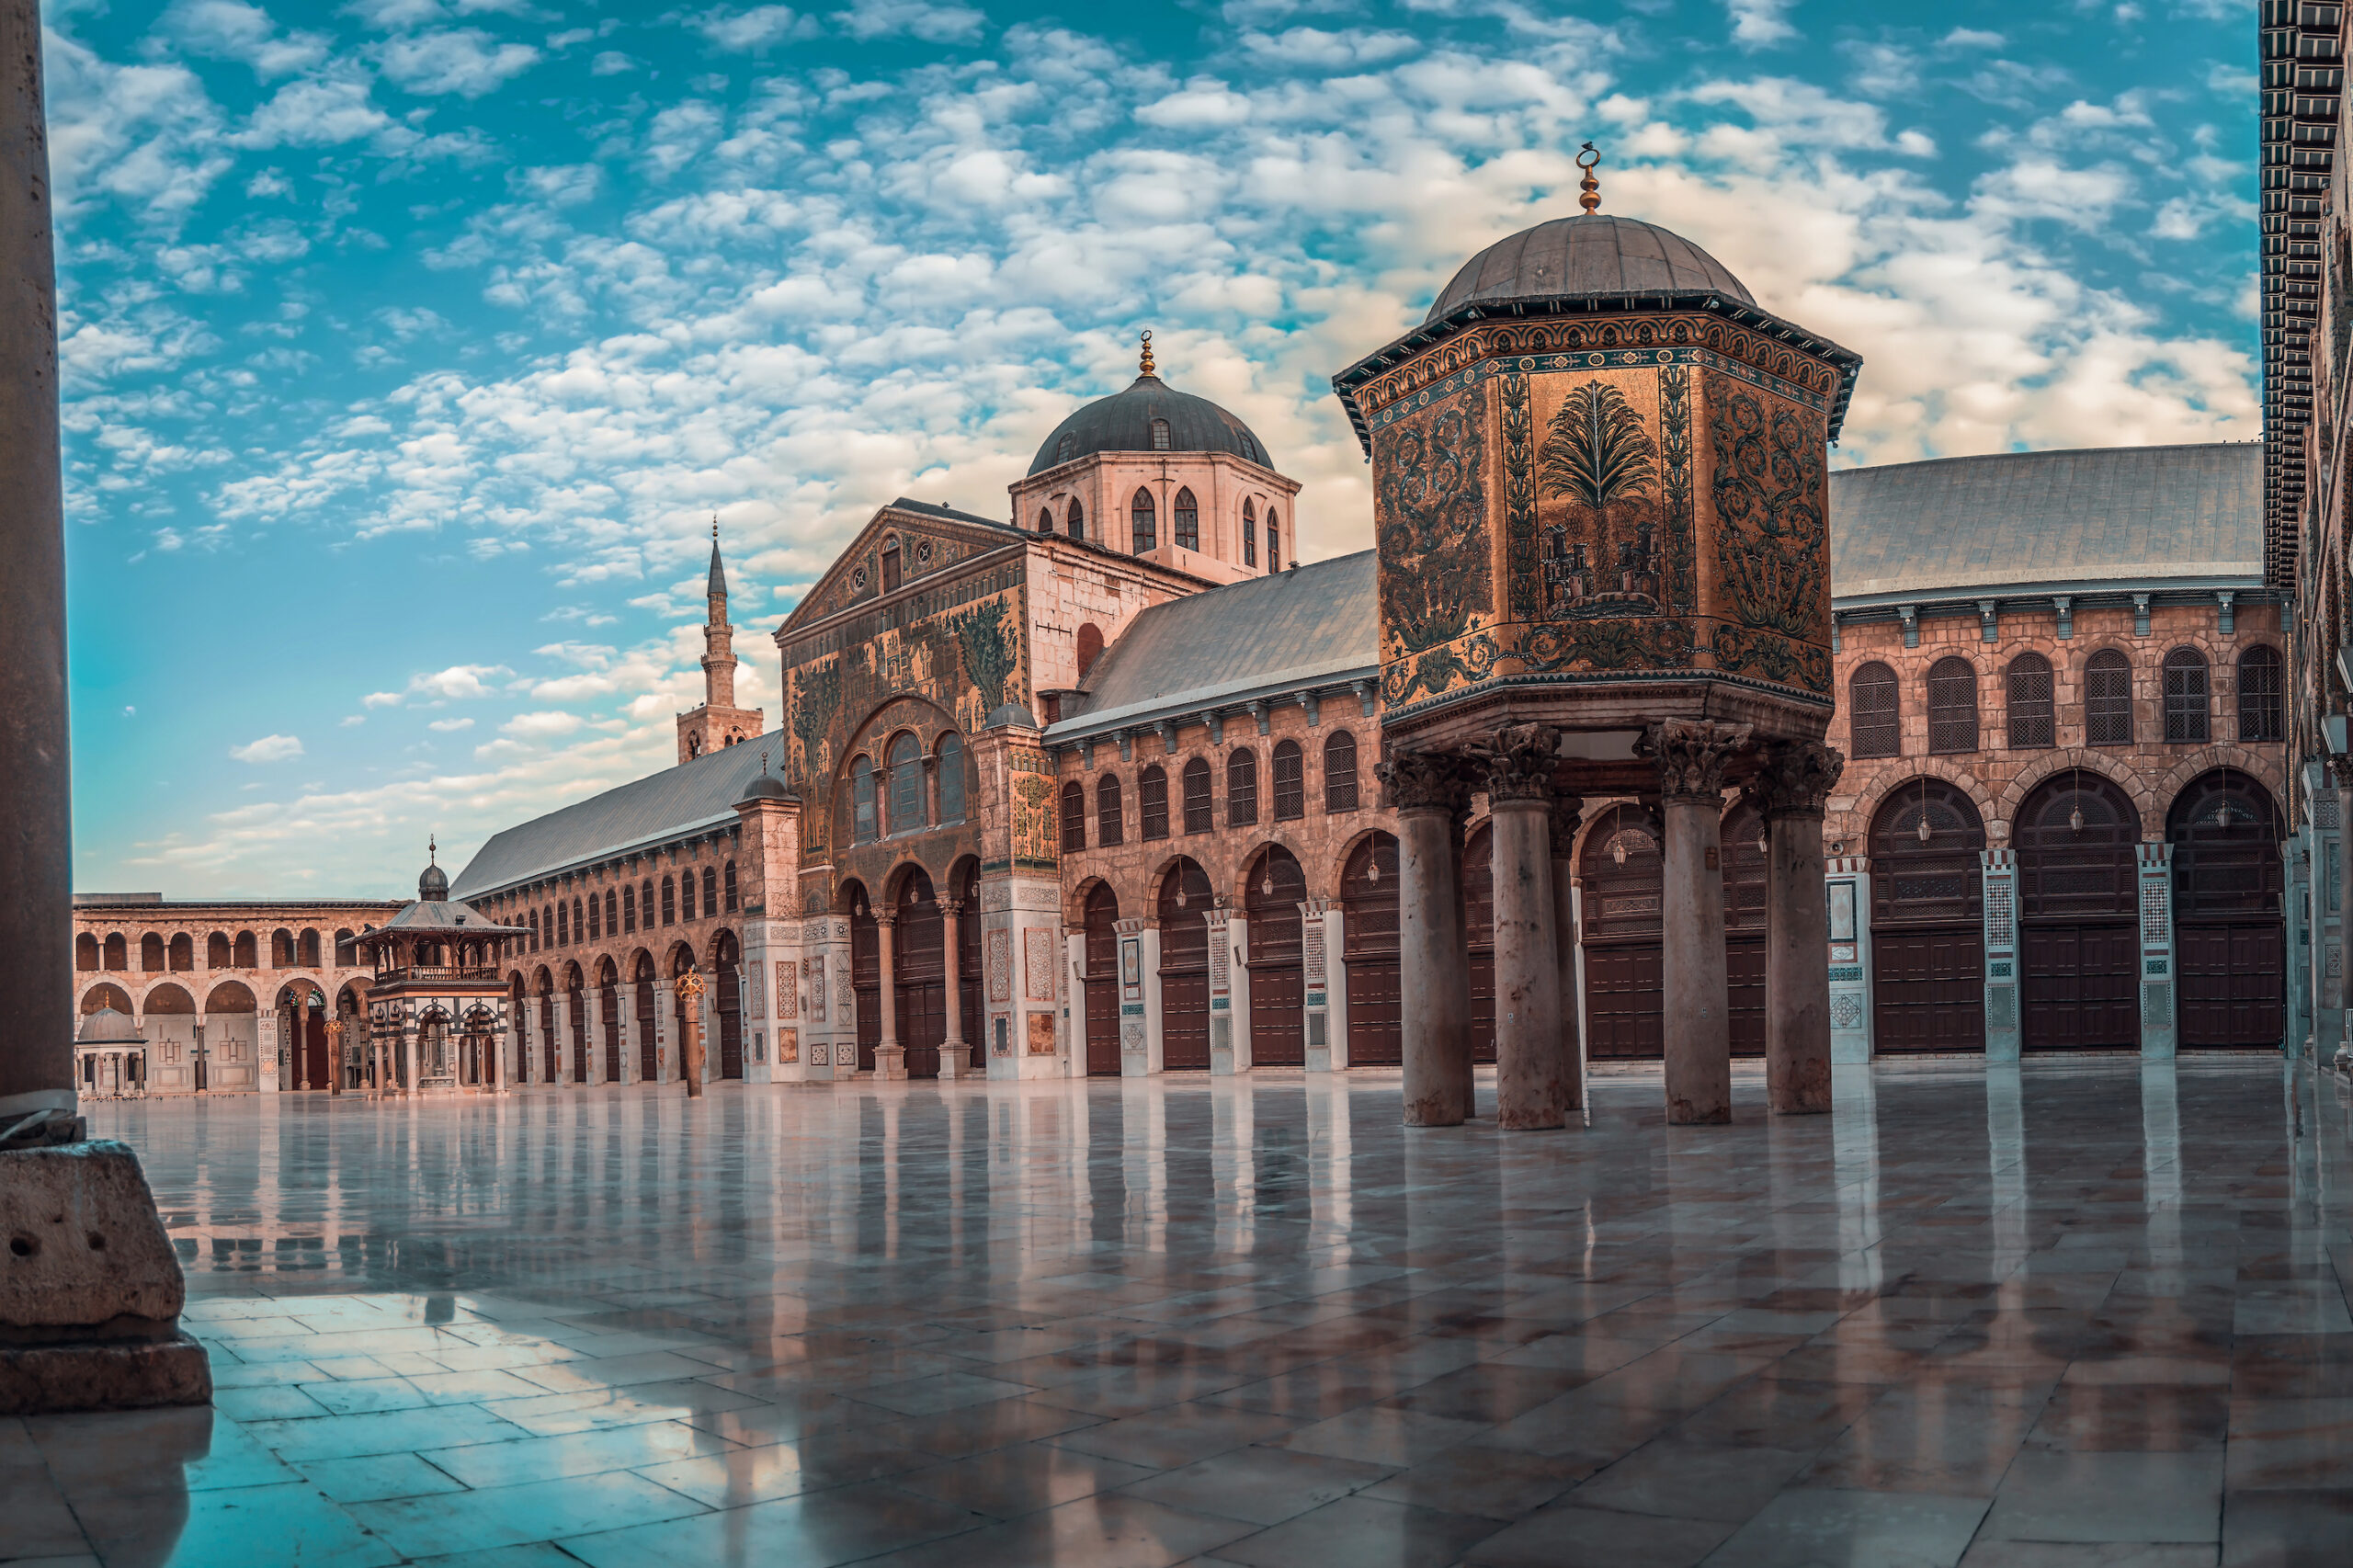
x: 1124, y: 423
x: 1587, y: 254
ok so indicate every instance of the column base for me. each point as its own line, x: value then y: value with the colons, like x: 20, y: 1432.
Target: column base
x: 890, y: 1063
x: 955, y: 1061
x: 103, y: 1374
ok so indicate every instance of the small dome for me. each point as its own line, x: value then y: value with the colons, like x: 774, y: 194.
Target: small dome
x: 109, y: 1027
x: 1587, y: 254
x: 433, y: 885
x: 1011, y: 713
x: 766, y: 787
x: 1124, y: 423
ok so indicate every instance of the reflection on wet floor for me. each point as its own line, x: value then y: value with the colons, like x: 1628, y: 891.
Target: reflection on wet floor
x: 2086, y: 1311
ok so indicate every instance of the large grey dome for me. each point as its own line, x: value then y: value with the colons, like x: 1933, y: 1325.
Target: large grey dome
x: 1587, y: 254
x: 1122, y: 423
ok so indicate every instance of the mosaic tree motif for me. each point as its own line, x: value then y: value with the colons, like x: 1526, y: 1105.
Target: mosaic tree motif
x: 988, y: 650
x: 1597, y: 454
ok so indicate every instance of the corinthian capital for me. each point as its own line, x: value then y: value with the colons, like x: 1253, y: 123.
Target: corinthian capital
x: 1797, y: 779
x: 1518, y: 761
x: 1691, y: 755
x: 1420, y: 780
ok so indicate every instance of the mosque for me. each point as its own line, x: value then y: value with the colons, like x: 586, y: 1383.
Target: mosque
x: 1113, y: 784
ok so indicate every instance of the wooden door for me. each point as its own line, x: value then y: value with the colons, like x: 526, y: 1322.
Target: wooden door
x: 727, y: 995
x: 1744, y: 888
x: 1102, y: 983
x: 1277, y: 982
x: 649, y: 1065
x: 550, y: 1060
x: 1370, y: 948
x: 577, y: 1009
x: 1478, y: 936
x: 2230, y: 943
x: 866, y: 983
x: 1185, y: 897
x: 919, y: 975
x: 2081, y: 986
x: 1929, y: 985
x: 314, y: 1046
x: 1624, y: 879
x: 608, y: 1014
x: 968, y: 967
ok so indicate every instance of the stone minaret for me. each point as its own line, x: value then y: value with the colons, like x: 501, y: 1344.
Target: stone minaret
x: 718, y: 722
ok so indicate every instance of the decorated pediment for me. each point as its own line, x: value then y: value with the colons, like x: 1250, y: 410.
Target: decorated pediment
x: 899, y: 546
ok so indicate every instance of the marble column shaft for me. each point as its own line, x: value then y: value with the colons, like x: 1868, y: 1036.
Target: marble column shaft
x: 1434, y: 971
x: 955, y: 1059
x: 1529, y: 1069
x: 1793, y: 791
x: 890, y: 1058
x: 1691, y: 758
x: 1566, y: 812
x: 2342, y: 769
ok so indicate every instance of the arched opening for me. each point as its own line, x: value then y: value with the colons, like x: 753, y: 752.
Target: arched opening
x: 1142, y: 516
x: 1151, y: 804
x: 1872, y: 711
x: 282, y: 950
x: 229, y: 1042
x: 2108, y: 700
x: 2230, y: 945
x: 575, y: 1005
x: 2078, y: 938
x: 905, y: 812
x: 1185, y: 899
x: 919, y: 974
x: 2260, y: 695
x: 1369, y: 921
x: 1479, y: 938
x: 1242, y: 787
x: 1340, y: 772
x: 85, y: 953
x: 548, y: 1060
x: 1078, y: 527
x: 2189, y: 707
x: 1090, y: 647
x: 478, y: 1046
x: 1200, y: 814
x: 150, y: 954
x: 865, y: 972
x: 966, y: 881
x: 1278, y: 978
x: 1144, y: 525
x: 351, y: 1011
x: 1741, y: 847
x: 306, y: 949
x: 245, y: 952
x: 1952, y: 705
x: 1187, y: 521
x: 1624, y: 990
x: 1928, y: 920
x: 1074, y: 817
x: 117, y: 953
x: 1102, y: 982
x: 727, y: 1003
x: 649, y: 1059
x: 217, y: 951
x: 2033, y: 717
x: 609, y: 1018
x: 1290, y: 788
x: 302, y: 1023
x: 947, y: 768
x: 167, y: 1015
x: 1111, y: 823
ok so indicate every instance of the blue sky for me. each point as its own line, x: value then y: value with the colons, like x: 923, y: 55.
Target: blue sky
x: 411, y: 346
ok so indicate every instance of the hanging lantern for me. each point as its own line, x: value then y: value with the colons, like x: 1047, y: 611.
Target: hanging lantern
x: 1267, y: 883
x: 1763, y: 847
x: 1924, y: 831
x: 1618, y: 849
x: 2075, y: 820
x: 1372, y: 871
x: 1180, y: 893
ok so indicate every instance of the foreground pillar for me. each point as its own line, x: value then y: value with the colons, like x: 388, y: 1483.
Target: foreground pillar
x: 1797, y: 781
x: 955, y: 1056
x: 690, y: 1047
x: 1691, y: 758
x: 1566, y: 810
x: 2341, y: 769
x: 1531, y: 1072
x: 90, y: 1288
x: 889, y: 1056
x: 1434, y: 970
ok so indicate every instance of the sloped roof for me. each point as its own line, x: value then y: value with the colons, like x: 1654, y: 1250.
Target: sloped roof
x: 701, y: 793
x: 1276, y: 632
x: 2013, y: 519
x: 1587, y: 254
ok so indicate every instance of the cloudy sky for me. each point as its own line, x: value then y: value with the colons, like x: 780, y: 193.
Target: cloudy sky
x: 412, y: 346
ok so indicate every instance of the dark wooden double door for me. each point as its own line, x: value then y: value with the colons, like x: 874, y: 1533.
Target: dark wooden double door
x: 1185, y: 897
x: 2079, y: 955
x: 1376, y: 1000
x: 2230, y: 943
x: 1277, y: 976
x: 1102, y: 983
x: 1928, y: 931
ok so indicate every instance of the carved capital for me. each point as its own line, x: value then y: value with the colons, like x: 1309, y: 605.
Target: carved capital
x: 1691, y: 755
x: 1420, y: 780
x: 2340, y: 771
x: 952, y: 907
x: 1797, y: 779
x: 1518, y: 762
x: 1568, y: 810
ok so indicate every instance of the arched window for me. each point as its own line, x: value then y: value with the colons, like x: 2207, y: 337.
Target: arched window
x: 2186, y: 697
x: 1249, y: 522
x: 535, y: 931
x: 1274, y: 542
x: 1046, y: 520
x: 1188, y: 521
x: 184, y: 951
x: 612, y: 908
x: 727, y: 886
x: 906, y: 785
x: 2259, y: 691
x: 2033, y: 719
x: 1952, y: 705
x: 1142, y: 523
x: 1871, y: 709
x: 1340, y: 772
x: 1242, y: 788
x: 629, y: 909
x: 150, y: 954
x: 595, y: 917
x: 894, y: 567
x: 861, y: 794
x: 711, y: 889
x: 85, y: 953
x: 950, y: 766
x: 1199, y: 816
x: 1090, y: 647
x: 645, y: 901
x: 247, y: 954
x: 1152, y: 801
x: 1249, y: 545
x: 1074, y: 817
x: 1066, y: 449
x: 579, y: 930
x: 1160, y: 435
x: 669, y: 902
x: 1290, y: 791
x: 216, y: 951
x: 1076, y: 527
x: 687, y: 896
x: 2108, y: 700
x: 1109, y: 828
x: 562, y: 927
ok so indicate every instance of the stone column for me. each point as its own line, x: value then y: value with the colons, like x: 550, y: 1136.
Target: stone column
x: 1691, y: 757
x: 1432, y: 972
x: 955, y: 1053
x: 691, y: 987
x: 889, y: 1056
x: 1797, y: 781
x: 1530, y: 1092
x: 666, y: 1012
x: 2341, y: 771
x: 1567, y: 810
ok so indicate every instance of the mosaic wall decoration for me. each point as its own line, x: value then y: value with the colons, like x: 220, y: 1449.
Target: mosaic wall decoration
x: 1000, y: 966
x: 1037, y: 963
x: 787, y: 1047
x: 787, y: 993
x: 1041, y: 1034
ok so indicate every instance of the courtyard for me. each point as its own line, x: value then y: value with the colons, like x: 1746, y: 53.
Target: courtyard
x: 2077, y: 1312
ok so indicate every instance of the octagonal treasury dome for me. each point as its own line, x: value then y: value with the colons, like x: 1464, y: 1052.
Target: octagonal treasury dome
x: 1588, y: 255
x: 1124, y: 423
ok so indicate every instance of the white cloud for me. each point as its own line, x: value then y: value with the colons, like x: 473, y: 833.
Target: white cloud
x: 459, y: 683
x: 912, y: 18
x: 464, y: 61
x: 269, y: 748
x: 750, y: 30
x: 450, y: 726
x: 230, y: 30
x: 1759, y: 24
x: 540, y: 725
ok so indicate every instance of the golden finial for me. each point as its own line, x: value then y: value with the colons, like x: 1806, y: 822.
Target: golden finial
x: 715, y: 528
x: 1589, y: 189
x: 1145, y: 367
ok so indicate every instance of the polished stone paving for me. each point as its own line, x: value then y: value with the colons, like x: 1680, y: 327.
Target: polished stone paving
x: 2077, y: 1313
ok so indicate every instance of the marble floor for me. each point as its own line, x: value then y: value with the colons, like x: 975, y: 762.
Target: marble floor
x: 2081, y: 1313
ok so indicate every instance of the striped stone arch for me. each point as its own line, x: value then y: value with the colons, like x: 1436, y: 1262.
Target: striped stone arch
x: 1865, y: 810
x: 2222, y: 754
x: 1074, y: 900
x: 2085, y: 759
x: 1236, y: 869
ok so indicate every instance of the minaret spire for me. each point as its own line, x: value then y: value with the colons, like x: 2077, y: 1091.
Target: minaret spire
x: 718, y: 722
